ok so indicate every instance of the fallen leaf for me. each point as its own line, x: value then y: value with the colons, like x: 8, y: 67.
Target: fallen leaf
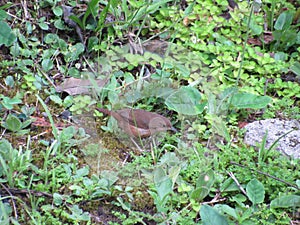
x: 75, y: 86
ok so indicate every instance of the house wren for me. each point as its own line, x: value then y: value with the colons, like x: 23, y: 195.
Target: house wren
x: 138, y: 122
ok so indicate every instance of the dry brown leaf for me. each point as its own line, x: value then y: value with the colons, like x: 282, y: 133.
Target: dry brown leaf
x: 75, y: 86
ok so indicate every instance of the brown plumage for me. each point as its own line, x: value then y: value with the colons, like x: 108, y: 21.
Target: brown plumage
x: 138, y: 122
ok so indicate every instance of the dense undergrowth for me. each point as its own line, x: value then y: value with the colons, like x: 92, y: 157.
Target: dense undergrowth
x: 207, y: 65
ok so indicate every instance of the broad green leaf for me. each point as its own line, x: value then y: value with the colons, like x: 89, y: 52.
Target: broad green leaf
x: 284, y: 20
x: 62, y: 45
x: 12, y: 123
x: 169, y: 158
x: 29, y: 27
x: 247, y: 214
x: 185, y: 101
x: 228, y: 185
x: 219, y: 126
x: 295, y: 68
x: 147, y: 9
x: 189, y: 9
x: 206, y: 179
x: 81, y: 172
x: 7, y: 37
x: 288, y: 201
x: 163, y: 183
x: 255, y: 191
x: 6, y: 213
x: 67, y: 134
x: 26, y: 123
x: 156, y: 5
x: 51, y: 38
x: 247, y: 100
x: 281, y: 56
x: 227, y: 209
x: 74, y: 52
x: 203, y: 185
x: 78, y: 214
x: 56, y: 99
x: 210, y: 216
x: 183, y: 71
x: 47, y: 64
x: 43, y: 25
x: 57, y: 199
x: 59, y: 25
x: 109, y: 176
x: 15, y: 49
x: 88, y: 183
x: 5, y: 146
x: 256, y: 29
x: 9, y: 102
x: 57, y: 11
x: 92, y: 41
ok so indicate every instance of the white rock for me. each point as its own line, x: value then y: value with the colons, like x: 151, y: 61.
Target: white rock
x: 289, y: 144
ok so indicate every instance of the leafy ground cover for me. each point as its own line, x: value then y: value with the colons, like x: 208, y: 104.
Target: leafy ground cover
x: 209, y: 66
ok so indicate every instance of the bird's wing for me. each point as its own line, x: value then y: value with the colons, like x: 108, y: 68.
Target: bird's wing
x: 136, y: 117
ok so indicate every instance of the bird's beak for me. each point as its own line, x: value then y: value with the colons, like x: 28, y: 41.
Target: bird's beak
x: 173, y: 129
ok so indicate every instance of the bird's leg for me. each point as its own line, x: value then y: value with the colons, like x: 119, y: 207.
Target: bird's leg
x: 152, y: 153
x: 154, y: 150
x: 136, y: 145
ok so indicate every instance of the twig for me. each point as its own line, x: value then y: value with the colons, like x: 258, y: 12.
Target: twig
x: 3, y: 87
x: 216, y: 199
x: 40, y: 134
x: 24, y: 5
x: 13, y: 202
x: 2, y: 134
x: 23, y: 192
x: 47, y: 77
x: 15, y: 17
x: 237, y: 183
x: 138, y: 147
x: 268, y: 175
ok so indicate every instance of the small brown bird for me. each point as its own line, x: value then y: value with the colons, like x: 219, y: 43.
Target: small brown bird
x: 138, y: 122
